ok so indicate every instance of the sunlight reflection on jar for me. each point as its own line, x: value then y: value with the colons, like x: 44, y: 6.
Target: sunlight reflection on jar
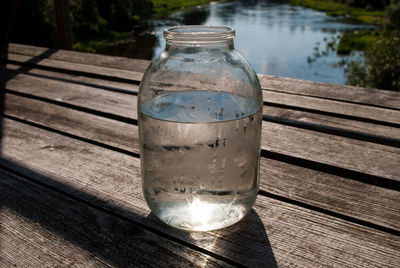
x: 207, y: 216
x: 200, y: 213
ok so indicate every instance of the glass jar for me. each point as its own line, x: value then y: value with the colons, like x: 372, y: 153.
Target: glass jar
x: 200, y: 113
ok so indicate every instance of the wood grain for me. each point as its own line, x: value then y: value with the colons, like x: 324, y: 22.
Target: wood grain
x: 295, y: 235
x: 369, y: 203
x: 334, y: 107
x: 70, y: 189
x: 78, y: 95
x: 12, y: 70
x: 330, y: 121
x: 366, y: 96
x: 334, y: 193
x: 79, y: 57
x: 65, y: 66
x: 366, y: 157
x: 42, y: 228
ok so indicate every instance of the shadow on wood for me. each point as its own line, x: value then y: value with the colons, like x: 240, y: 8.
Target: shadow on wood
x: 98, y: 231
x: 6, y: 75
x: 254, y: 253
x: 88, y: 235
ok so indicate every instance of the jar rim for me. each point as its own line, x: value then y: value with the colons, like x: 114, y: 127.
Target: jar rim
x: 198, y: 34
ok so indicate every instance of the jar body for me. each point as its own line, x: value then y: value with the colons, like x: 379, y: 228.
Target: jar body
x: 200, y: 114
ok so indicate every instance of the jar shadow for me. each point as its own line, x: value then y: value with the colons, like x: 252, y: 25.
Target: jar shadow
x: 245, y: 243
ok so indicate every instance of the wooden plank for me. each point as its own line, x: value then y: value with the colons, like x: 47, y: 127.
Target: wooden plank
x: 277, y: 231
x: 376, y: 97
x: 336, y: 194
x: 313, y: 187
x: 12, y: 70
x: 329, y: 149
x: 42, y: 228
x: 329, y: 121
x: 367, y: 96
x: 81, y: 57
x: 66, y: 66
x: 335, y: 107
x: 366, y: 157
x: 85, y: 125
x: 77, y: 95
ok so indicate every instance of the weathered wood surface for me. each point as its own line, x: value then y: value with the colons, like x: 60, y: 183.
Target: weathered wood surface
x: 328, y: 149
x: 304, y: 182
x: 329, y: 189
x: 59, y: 231
x: 112, y: 181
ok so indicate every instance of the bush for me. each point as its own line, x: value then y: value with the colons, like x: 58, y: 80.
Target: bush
x: 381, y: 68
x: 86, y: 20
x: 121, y: 15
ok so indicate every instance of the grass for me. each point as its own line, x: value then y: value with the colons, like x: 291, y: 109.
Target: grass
x: 360, y: 40
x: 92, y: 45
x: 336, y: 9
x: 162, y: 7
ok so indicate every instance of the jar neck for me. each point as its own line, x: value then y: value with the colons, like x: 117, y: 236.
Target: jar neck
x: 214, y: 37
x: 228, y: 45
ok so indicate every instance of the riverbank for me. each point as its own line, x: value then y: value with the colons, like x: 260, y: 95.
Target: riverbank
x: 359, y: 40
x: 161, y: 8
x: 380, y: 47
x: 367, y: 15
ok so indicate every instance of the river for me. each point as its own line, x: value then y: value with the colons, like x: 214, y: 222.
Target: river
x: 275, y: 37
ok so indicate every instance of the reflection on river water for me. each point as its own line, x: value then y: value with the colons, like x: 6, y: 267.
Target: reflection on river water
x: 276, y: 38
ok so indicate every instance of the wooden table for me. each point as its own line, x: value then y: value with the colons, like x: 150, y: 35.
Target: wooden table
x: 70, y: 189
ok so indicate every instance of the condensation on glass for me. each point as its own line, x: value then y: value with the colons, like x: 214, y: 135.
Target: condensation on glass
x: 200, y: 113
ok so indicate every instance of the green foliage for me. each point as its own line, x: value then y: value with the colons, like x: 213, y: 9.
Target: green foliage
x: 165, y: 5
x: 86, y: 19
x: 356, y: 74
x: 360, y: 40
x: 93, y: 22
x: 92, y: 45
x: 327, y: 6
x: 355, y: 9
x: 122, y: 14
x: 381, y: 68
